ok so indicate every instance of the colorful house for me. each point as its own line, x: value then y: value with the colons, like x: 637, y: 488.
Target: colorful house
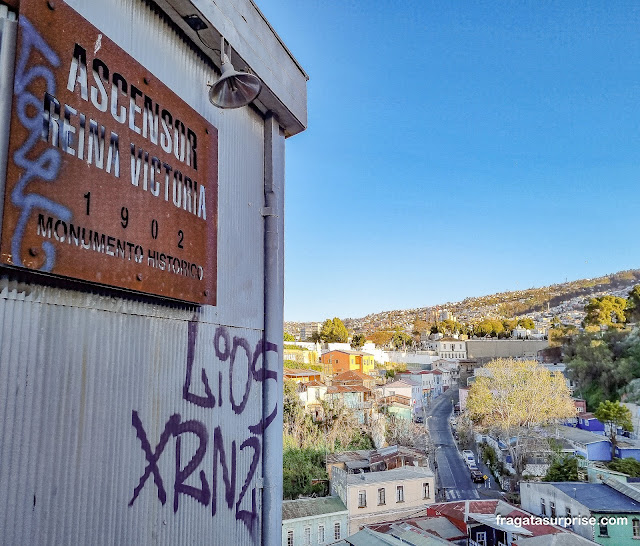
x: 588, y: 421
x: 301, y: 376
x: 615, y: 507
x: 591, y: 446
x: 628, y: 448
x: 339, y: 361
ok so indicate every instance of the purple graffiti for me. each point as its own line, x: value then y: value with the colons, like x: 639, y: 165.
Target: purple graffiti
x: 209, y: 400
x: 240, y: 342
x: 47, y: 164
x: 233, y: 353
x: 202, y: 495
x: 152, y: 456
x: 229, y: 478
x: 246, y: 516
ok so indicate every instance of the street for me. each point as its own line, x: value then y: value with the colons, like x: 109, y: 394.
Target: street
x: 451, y: 471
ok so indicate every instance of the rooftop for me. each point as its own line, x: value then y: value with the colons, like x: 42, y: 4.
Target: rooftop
x: 559, y: 539
x: 598, y: 497
x: 335, y: 389
x: 351, y: 375
x: 438, y: 526
x: 397, y: 474
x: 361, y: 353
x: 399, y: 383
x: 344, y: 456
x: 303, y: 508
x: 578, y: 435
x: 300, y: 373
x: 369, y: 537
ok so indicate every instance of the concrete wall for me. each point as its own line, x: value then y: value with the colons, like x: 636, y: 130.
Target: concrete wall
x: 504, y: 348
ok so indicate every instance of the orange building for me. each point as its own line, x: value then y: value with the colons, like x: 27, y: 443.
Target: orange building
x: 343, y: 361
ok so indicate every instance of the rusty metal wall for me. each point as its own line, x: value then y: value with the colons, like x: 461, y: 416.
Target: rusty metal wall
x: 125, y: 421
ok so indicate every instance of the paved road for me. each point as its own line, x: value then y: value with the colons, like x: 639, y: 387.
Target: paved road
x: 452, y: 472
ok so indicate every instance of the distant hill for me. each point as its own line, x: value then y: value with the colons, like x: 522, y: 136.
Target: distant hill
x: 565, y: 301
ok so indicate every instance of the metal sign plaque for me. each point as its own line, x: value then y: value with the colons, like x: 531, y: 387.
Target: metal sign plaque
x: 111, y: 177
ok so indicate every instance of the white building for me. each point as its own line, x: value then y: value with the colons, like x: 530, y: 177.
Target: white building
x: 308, y: 329
x: 449, y: 347
x: 383, y: 496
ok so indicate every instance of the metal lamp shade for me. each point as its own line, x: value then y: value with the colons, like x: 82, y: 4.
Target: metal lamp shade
x: 234, y: 89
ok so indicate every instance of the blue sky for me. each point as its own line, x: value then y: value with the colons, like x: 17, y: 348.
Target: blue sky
x: 458, y: 149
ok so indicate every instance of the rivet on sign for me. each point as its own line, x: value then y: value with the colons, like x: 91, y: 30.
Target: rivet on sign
x: 206, y: 130
x: 33, y: 251
x: 51, y: 4
x: 206, y: 292
x: 145, y: 80
x: 139, y: 276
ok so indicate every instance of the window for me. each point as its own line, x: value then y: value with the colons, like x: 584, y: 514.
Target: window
x: 307, y: 536
x: 552, y: 505
x: 543, y: 508
x: 604, y: 532
x: 636, y: 528
x: 336, y: 531
x: 290, y: 537
x: 362, y: 499
x: 381, y: 496
x: 568, y: 523
x: 425, y: 490
x: 320, y: 534
x: 481, y: 538
x: 400, y: 493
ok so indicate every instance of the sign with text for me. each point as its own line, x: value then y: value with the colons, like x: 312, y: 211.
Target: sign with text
x: 111, y: 178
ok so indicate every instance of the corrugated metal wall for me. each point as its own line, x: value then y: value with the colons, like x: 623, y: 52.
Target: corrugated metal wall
x: 94, y: 392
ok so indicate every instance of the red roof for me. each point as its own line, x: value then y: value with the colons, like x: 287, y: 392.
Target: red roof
x: 339, y: 388
x: 352, y: 374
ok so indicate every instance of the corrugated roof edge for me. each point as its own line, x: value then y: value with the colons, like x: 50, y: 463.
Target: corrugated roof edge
x: 280, y: 40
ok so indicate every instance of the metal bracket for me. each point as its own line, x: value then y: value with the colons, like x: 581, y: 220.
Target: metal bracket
x: 267, y: 211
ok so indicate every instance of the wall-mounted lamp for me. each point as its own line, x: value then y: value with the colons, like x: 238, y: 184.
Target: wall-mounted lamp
x: 233, y: 89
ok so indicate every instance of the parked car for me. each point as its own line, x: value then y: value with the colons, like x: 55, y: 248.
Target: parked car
x: 419, y: 419
x: 472, y: 465
x: 477, y: 476
x: 468, y: 457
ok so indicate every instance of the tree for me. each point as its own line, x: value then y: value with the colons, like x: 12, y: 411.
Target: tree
x: 615, y: 415
x: 526, y: 323
x: 381, y: 338
x: 602, y: 364
x: 605, y: 310
x: 633, y: 304
x: 400, y: 339
x: 420, y: 326
x: 334, y: 331
x: 516, y: 396
x: 509, y: 325
x: 628, y: 466
x: 563, y: 469
x: 358, y: 341
x: 288, y: 337
x: 300, y: 468
x: 491, y: 327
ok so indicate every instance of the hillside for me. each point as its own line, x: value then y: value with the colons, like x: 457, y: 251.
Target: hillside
x: 565, y: 301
